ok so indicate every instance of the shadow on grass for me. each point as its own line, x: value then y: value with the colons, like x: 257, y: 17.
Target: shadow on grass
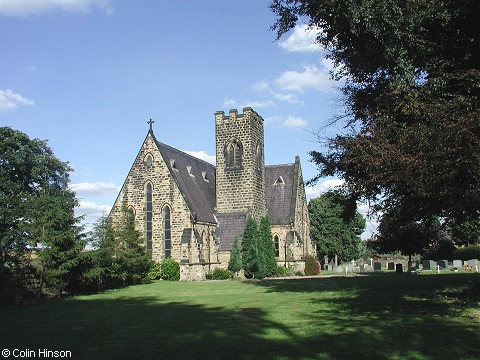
x: 390, y: 316
x: 357, y: 318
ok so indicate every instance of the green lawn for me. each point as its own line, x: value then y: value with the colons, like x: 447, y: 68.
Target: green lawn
x: 380, y: 316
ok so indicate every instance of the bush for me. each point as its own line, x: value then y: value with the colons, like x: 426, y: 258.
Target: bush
x: 467, y: 253
x: 312, y: 266
x: 170, y: 270
x: 220, y: 274
x: 155, y: 271
x: 282, y: 271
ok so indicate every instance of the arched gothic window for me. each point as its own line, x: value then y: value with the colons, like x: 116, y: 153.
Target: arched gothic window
x: 233, y: 154
x: 130, y: 215
x: 149, y: 216
x: 259, y: 158
x: 167, y: 235
x: 277, y: 245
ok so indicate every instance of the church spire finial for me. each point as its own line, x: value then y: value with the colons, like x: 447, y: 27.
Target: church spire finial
x: 150, y: 122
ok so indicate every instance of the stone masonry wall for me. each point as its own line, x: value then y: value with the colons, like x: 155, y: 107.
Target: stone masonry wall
x: 164, y: 193
x: 241, y: 190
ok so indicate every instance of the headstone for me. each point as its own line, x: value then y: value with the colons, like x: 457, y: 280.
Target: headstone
x: 472, y: 263
x: 349, y: 267
x: 457, y: 264
x: 339, y: 269
x: 399, y: 268
x: 443, y: 264
x: 362, y: 268
x: 330, y: 267
x: 377, y: 266
x: 390, y: 265
x: 428, y: 265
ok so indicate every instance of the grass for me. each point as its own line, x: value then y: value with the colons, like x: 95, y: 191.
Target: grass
x: 380, y: 316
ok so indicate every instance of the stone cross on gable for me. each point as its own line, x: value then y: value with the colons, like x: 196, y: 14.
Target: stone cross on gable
x: 150, y: 122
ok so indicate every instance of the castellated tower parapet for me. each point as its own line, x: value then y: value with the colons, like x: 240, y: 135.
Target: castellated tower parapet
x: 240, y: 170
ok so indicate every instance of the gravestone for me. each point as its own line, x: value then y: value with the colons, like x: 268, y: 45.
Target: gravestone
x: 443, y: 264
x: 428, y: 264
x: 377, y: 266
x: 362, y: 268
x: 339, y: 269
x: 473, y: 262
x: 457, y: 264
x: 349, y: 267
x: 390, y: 265
x: 330, y: 267
x: 399, y: 268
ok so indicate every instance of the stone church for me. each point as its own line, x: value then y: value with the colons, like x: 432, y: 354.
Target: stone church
x: 192, y: 211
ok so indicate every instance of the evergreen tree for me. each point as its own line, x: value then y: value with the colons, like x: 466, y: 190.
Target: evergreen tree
x: 336, y: 226
x: 235, y: 262
x: 266, y: 249
x: 250, y: 256
x: 36, y: 208
x: 119, y: 258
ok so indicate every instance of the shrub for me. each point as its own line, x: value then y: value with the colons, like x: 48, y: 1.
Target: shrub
x: 170, y: 270
x: 467, y: 253
x: 312, y: 266
x: 155, y: 271
x: 282, y: 271
x: 220, y: 274
x: 235, y: 262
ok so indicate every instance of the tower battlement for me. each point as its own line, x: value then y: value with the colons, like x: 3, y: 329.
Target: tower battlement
x: 233, y: 115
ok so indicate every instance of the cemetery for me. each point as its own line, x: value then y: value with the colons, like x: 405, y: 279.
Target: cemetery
x: 384, y: 263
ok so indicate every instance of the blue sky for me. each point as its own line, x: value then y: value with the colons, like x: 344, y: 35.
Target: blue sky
x: 87, y: 75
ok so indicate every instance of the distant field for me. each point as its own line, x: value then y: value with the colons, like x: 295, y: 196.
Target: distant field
x: 379, y: 316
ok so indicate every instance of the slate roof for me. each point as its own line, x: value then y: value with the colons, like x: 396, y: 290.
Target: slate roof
x: 230, y: 226
x: 195, y: 179
x: 280, y: 193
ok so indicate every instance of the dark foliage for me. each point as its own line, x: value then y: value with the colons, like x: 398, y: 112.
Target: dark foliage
x: 411, y: 72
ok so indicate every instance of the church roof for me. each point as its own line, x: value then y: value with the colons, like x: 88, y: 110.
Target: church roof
x: 195, y: 179
x: 280, y: 194
x: 230, y: 227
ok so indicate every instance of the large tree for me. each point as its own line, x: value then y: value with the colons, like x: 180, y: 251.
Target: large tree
x: 336, y: 226
x: 36, y: 209
x: 411, y: 85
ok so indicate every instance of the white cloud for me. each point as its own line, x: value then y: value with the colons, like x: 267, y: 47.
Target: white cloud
x: 229, y: 103
x: 202, y: 155
x: 312, y: 192
x: 289, y: 98
x: 38, y: 7
x: 302, y: 39
x: 294, y: 122
x: 330, y: 184
x: 264, y: 87
x: 92, y: 209
x: 232, y: 104
x: 311, y: 77
x: 10, y: 100
x: 95, y: 189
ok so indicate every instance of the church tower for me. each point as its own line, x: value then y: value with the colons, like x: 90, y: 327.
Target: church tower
x: 240, y: 170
